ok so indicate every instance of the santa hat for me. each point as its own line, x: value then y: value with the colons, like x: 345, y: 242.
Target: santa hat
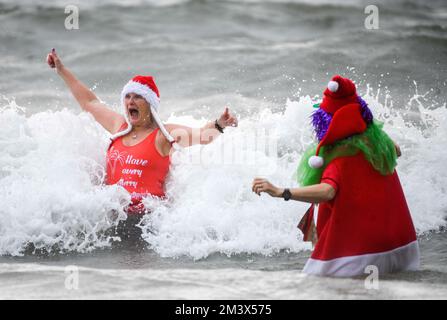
x: 339, y: 92
x: 341, y: 101
x: 144, y: 86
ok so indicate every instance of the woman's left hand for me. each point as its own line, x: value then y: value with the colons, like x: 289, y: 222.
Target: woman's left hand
x: 227, y: 119
x: 263, y: 185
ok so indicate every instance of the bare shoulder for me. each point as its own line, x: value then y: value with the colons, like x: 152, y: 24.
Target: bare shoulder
x: 178, y: 130
x: 162, y: 144
x: 173, y: 126
x: 120, y: 124
x: 160, y: 138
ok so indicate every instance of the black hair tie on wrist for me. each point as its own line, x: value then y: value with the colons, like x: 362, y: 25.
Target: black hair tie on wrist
x: 216, y: 125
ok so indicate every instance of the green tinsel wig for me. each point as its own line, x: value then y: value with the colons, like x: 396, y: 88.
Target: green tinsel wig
x: 376, y: 145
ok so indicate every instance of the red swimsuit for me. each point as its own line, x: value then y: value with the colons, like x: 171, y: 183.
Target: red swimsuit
x: 140, y: 169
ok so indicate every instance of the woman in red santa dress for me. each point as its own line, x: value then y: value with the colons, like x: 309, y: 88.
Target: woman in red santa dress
x: 362, y: 218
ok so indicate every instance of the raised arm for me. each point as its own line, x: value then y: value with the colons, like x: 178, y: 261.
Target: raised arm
x: 186, y: 136
x: 109, y: 119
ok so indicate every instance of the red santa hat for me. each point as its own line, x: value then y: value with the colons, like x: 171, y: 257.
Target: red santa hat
x: 341, y: 101
x: 144, y: 86
x: 339, y: 92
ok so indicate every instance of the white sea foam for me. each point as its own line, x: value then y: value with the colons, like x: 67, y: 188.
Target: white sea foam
x: 51, y: 176
x: 52, y: 171
x: 214, y: 210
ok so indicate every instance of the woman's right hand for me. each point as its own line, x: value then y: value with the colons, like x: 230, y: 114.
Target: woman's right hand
x: 54, y: 61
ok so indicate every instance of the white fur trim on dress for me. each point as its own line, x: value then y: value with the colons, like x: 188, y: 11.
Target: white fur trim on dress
x: 400, y: 259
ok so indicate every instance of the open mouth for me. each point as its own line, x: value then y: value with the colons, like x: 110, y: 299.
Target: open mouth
x: 134, y: 113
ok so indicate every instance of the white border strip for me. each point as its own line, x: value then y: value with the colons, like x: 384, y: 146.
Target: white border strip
x: 400, y: 259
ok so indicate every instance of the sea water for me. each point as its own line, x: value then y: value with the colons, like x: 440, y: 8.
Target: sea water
x: 269, y: 61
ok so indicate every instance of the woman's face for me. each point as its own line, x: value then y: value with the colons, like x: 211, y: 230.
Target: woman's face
x: 137, y: 109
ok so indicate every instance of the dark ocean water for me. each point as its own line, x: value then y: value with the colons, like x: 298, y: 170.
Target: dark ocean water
x: 267, y: 60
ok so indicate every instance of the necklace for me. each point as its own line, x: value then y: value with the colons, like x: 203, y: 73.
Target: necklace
x: 134, y: 136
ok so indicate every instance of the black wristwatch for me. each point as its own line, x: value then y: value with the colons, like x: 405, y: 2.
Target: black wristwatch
x: 286, y: 194
x: 218, y: 127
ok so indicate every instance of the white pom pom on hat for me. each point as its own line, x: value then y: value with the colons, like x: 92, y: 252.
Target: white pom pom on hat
x: 332, y: 86
x: 316, y: 162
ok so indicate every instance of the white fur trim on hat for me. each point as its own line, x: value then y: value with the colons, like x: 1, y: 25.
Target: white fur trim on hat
x: 161, y: 126
x: 316, y: 162
x: 332, y: 86
x: 145, y: 91
x: 151, y: 97
x: 123, y: 132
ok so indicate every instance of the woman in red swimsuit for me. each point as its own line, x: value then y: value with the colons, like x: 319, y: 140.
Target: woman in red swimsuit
x: 138, y: 156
